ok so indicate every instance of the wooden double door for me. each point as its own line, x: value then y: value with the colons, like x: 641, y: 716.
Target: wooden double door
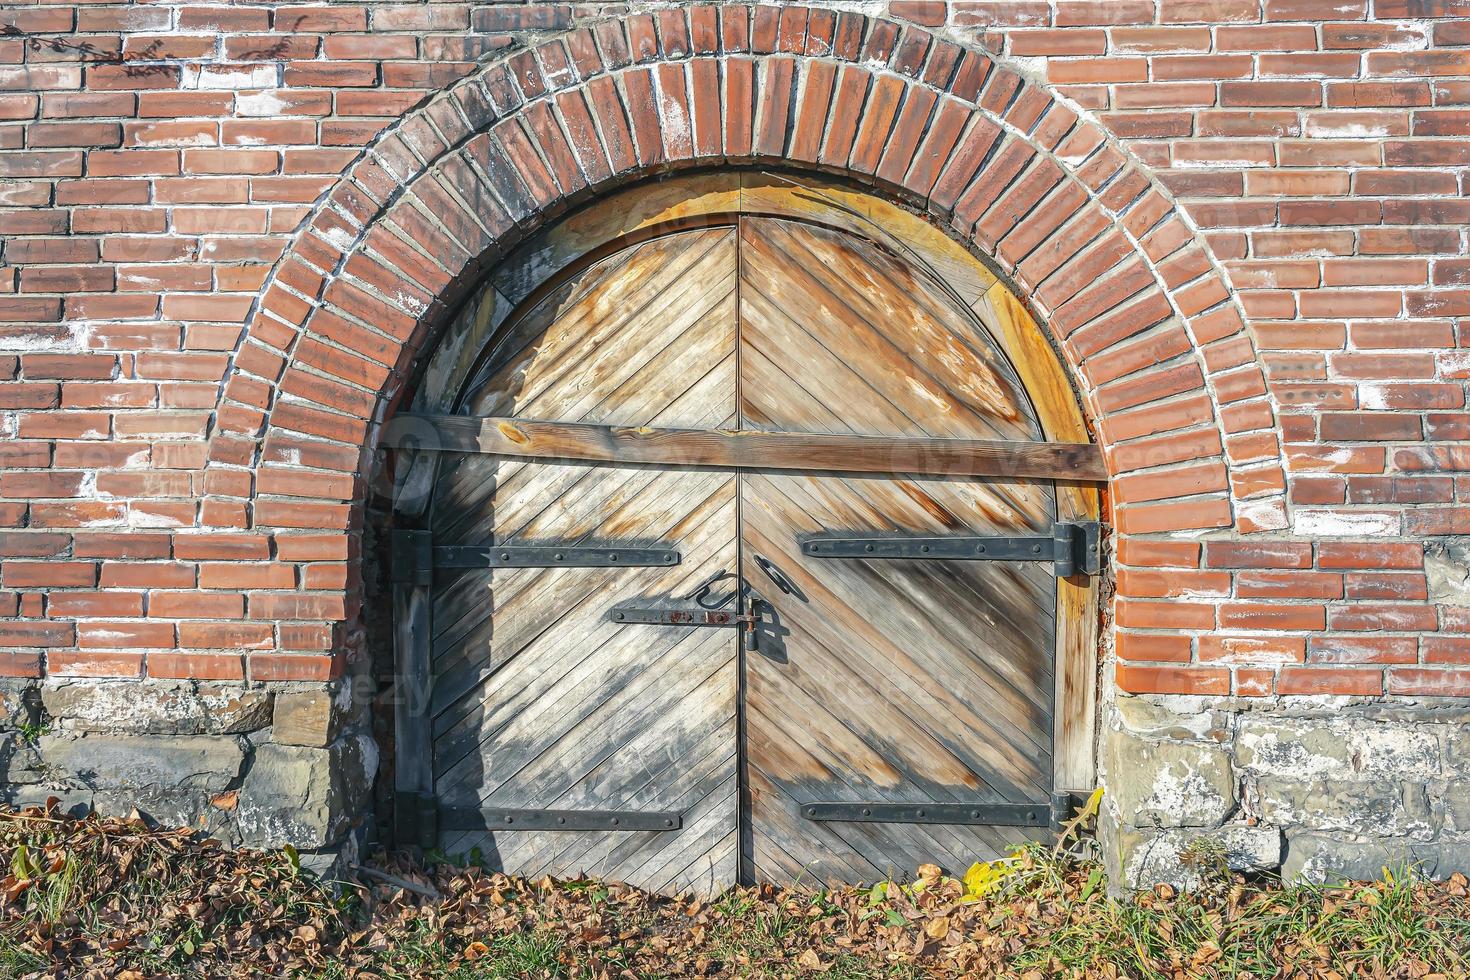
x: 595, y: 716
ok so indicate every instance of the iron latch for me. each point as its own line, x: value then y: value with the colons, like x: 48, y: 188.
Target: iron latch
x: 1072, y: 548
x: 685, y: 615
x: 698, y: 610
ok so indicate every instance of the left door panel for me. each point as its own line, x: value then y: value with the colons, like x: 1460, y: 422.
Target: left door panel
x: 538, y: 701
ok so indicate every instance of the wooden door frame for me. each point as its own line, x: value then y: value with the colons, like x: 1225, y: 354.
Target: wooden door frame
x: 659, y: 206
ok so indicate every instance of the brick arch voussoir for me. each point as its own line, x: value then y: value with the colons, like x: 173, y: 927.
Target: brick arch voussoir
x: 1133, y: 299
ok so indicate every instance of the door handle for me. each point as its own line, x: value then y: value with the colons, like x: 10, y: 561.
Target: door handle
x: 775, y: 574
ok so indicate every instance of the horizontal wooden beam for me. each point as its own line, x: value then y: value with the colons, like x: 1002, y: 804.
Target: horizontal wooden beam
x: 747, y: 449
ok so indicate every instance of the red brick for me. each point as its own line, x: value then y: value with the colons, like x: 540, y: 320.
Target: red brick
x: 1226, y: 649
x: 292, y: 667
x: 48, y: 574
x: 21, y: 633
x: 1173, y: 647
x: 1272, y: 616
x: 124, y: 634
x: 1147, y: 679
x: 1329, y: 680
x: 224, y: 667
x: 94, y: 663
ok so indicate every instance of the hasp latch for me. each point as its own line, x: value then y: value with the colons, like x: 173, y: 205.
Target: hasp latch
x: 698, y: 608
x: 1073, y: 548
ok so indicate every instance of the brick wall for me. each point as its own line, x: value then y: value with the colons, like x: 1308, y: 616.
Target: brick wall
x: 158, y: 160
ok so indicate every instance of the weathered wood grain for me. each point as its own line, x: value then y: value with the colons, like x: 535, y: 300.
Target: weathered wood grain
x: 894, y: 681
x: 538, y: 701
x: 726, y: 389
x: 759, y: 450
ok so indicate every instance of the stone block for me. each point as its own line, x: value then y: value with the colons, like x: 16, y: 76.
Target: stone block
x: 1179, y: 718
x: 1451, y: 798
x: 310, y: 718
x: 1326, y: 857
x: 20, y: 762
x: 1309, y: 749
x: 1447, y: 570
x: 193, y: 764
x: 304, y: 796
x: 1384, y: 809
x: 1139, y: 858
x: 75, y: 802
x: 20, y: 704
x: 1168, y: 783
x: 156, y: 708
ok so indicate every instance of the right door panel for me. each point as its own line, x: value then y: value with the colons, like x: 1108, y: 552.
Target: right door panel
x: 882, y: 681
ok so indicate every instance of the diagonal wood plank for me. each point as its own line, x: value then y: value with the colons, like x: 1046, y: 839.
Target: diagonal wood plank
x: 903, y: 681
x: 540, y: 702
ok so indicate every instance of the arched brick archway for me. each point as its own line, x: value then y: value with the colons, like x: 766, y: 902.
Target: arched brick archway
x: 1162, y: 357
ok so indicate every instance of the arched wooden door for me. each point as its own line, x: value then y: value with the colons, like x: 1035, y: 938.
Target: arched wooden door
x: 704, y: 599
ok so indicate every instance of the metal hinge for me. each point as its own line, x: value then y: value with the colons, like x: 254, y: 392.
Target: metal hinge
x: 415, y: 557
x: 979, y: 814
x: 416, y: 819
x: 496, y: 818
x: 1072, y: 548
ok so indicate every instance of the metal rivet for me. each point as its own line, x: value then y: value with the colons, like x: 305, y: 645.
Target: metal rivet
x: 924, y: 548
x: 868, y: 548
x: 982, y: 549
x: 812, y: 812
x: 618, y: 617
x: 867, y: 812
x: 920, y: 813
x: 612, y: 556
x: 974, y: 814
x: 668, y: 557
x: 614, y: 821
x: 505, y: 556
x: 668, y: 823
x: 559, y: 556
x: 510, y: 819
x: 1036, y: 549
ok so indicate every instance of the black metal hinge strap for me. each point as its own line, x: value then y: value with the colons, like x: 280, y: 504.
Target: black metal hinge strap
x: 416, y: 819
x: 549, y: 556
x: 980, y: 814
x: 1071, y: 547
x: 415, y: 557
x: 471, y: 818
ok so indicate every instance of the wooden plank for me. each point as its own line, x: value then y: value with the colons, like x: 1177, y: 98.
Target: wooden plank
x: 539, y: 702
x: 896, y: 681
x: 1075, y: 727
x: 752, y: 449
x: 413, y: 773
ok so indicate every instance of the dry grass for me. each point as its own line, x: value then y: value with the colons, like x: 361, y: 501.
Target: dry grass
x: 114, y: 898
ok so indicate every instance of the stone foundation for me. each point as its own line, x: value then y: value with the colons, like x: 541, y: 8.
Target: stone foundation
x: 259, y: 766
x: 1311, y: 787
